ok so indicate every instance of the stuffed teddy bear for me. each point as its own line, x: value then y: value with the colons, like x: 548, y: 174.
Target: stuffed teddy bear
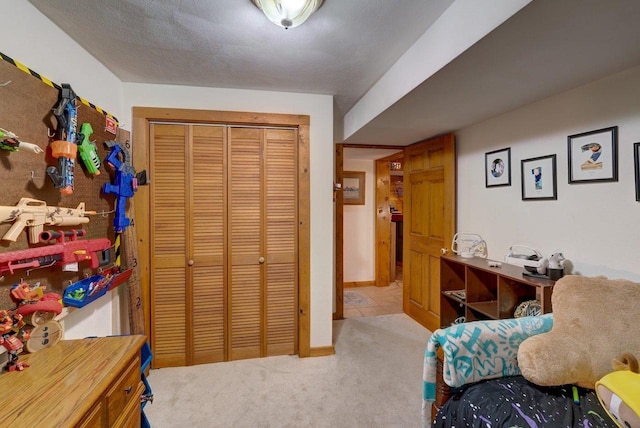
x: 619, y: 392
x: 594, y: 320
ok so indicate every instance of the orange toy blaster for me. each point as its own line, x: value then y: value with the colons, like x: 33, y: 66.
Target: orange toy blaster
x: 35, y: 214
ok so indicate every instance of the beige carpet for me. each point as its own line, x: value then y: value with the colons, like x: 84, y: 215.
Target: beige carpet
x: 374, y: 380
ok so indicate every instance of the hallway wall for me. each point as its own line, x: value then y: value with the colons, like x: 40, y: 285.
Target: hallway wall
x: 359, y: 228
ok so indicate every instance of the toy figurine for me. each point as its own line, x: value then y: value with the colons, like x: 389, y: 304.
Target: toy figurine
x: 12, y: 336
x: 78, y: 294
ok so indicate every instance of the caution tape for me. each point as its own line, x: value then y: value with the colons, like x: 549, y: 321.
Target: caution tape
x: 117, y: 246
x: 48, y: 82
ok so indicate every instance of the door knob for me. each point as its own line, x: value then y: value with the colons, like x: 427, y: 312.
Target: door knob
x: 190, y: 262
x: 444, y: 251
x: 261, y: 260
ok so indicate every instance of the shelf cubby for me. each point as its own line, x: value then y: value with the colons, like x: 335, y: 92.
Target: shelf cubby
x: 452, y: 276
x: 489, y: 292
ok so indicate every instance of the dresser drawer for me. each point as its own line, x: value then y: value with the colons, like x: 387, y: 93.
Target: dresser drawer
x: 123, y: 391
x: 94, y: 418
x: 131, y: 417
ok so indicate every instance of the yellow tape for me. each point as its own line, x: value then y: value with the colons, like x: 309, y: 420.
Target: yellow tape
x: 48, y: 82
x: 117, y: 248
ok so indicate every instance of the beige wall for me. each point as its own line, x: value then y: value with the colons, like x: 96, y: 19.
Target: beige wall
x: 359, y: 228
x: 595, y: 225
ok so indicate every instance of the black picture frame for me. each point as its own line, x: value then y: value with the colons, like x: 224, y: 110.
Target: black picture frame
x: 600, y: 162
x: 497, y: 168
x: 539, y: 178
x: 636, y: 156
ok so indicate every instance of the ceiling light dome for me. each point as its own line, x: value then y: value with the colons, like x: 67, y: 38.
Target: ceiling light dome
x: 288, y: 13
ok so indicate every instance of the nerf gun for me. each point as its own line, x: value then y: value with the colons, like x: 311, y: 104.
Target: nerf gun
x: 63, y: 251
x: 35, y: 214
x: 65, y: 148
x: 125, y: 184
x: 10, y: 142
x: 88, y: 151
x: 33, y: 303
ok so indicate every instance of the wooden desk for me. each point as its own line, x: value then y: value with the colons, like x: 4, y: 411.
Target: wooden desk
x: 88, y: 383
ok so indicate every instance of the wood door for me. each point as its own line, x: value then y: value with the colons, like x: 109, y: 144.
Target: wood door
x: 169, y: 244
x: 167, y: 310
x: 205, y: 268
x: 429, y: 224
x: 246, y: 245
x: 383, y: 224
x: 187, y: 244
x: 281, y: 242
x: 262, y: 214
x: 385, y: 229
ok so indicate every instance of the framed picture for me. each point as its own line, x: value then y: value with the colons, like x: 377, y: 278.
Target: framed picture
x: 636, y: 155
x: 353, y: 187
x: 593, y: 156
x: 539, y: 178
x: 497, y: 168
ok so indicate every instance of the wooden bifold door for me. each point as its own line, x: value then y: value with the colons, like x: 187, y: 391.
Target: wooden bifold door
x: 224, y: 266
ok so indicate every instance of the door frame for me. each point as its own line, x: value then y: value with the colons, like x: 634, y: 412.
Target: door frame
x: 338, y: 198
x: 383, y: 219
x: 142, y: 116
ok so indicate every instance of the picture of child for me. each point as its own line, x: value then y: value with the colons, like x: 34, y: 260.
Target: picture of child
x: 594, y: 151
x: 537, y: 176
x: 497, y: 168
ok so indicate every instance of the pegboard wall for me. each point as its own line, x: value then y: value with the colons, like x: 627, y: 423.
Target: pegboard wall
x: 26, y: 109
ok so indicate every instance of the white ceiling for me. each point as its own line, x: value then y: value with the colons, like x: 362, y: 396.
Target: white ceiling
x: 342, y: 49
x: 548, y: 47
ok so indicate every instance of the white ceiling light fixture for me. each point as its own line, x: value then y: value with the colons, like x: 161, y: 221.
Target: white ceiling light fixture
x: 288, y: 13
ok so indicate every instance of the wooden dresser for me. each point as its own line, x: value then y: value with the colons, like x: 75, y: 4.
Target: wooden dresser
x: 88, y: 383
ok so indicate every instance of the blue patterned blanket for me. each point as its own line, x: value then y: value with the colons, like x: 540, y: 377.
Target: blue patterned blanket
x: 478, y: 350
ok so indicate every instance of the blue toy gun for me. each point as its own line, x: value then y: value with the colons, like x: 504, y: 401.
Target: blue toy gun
x: 65, y: 148
x: 125, y: 184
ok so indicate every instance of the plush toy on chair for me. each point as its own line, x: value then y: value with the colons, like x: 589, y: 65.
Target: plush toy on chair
x: 594, y: 321
x: 619, y: 392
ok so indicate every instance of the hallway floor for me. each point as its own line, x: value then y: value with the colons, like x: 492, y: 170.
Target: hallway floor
x: 371, y: 301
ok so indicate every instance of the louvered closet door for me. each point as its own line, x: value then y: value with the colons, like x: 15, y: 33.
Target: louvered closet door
x: 207, y: 208
x: 169, y: 245
x: 187, y: 271
x: 262, y: 242
x: 245, y: 242
x: 281, y: 242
